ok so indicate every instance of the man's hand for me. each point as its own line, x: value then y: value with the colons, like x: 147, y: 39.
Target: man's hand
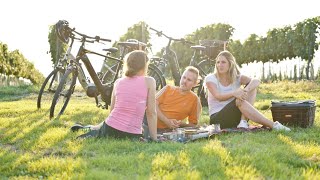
x: 172, y: 123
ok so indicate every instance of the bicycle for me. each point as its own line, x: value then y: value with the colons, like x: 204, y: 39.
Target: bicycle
x: 52, y: 80
x: 67, y: 84
x: 153, y: 70
x: 208, y: 50
x: 169, y: 57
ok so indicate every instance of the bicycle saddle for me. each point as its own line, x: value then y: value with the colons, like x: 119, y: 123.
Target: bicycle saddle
x: 112, y: 49
x: 198, y: 47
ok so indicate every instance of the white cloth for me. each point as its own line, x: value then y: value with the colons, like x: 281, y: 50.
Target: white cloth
x: 214, y: 104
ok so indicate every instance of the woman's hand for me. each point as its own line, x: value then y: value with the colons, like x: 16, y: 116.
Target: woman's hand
x: 240, y: 94
x: 239, y: 102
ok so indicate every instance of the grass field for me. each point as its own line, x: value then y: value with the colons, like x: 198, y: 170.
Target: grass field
x: 34, y: 147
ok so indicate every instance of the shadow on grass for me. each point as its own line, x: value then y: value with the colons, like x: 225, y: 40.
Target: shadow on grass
x: 37, y: 146
x: 87, y: 117
x: 15, y: 93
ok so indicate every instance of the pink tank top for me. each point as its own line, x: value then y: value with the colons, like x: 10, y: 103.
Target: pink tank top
x: 130, y: 104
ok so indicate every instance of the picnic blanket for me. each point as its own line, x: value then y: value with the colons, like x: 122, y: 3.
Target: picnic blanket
x: 207, y: 133
x: 202, y: 132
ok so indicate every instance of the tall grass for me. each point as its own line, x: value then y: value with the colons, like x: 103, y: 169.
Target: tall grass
x: 34, y: 147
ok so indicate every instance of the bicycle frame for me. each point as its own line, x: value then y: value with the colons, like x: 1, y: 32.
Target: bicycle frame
x: 74, y: 70
x: 170, y: 56
x: 193, y: 61
x: 206, y: 47
x: 103, y: 89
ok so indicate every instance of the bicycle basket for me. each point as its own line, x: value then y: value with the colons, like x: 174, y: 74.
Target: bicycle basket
x: 139, y: 45
x: 213, y: 47
x: 62, y: 30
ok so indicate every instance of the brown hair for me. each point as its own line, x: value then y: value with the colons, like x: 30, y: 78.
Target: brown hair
x: 135, y: 61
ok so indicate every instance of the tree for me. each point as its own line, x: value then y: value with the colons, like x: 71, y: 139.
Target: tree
x: 211, y: 32
x: 15, y: 64
x: 138, y: 31
x: 280, y: 44
x: 57, y: 47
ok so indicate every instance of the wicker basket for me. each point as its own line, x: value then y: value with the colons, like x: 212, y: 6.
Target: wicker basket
x: 213, y: 47
x: 298, y: 113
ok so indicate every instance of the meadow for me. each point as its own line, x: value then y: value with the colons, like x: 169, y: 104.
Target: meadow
x: 34, y: 147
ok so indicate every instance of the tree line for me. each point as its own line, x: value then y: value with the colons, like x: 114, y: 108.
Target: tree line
x: 15, y: 64
x: 298, y: 40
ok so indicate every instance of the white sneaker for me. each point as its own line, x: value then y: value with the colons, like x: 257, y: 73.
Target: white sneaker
x: 278, y: 126
x: 243, y: 124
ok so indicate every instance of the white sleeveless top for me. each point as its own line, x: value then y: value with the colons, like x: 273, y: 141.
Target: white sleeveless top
x: 214, y: 104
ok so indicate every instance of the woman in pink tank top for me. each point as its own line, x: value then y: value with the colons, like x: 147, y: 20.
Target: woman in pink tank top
x: 133, y: 96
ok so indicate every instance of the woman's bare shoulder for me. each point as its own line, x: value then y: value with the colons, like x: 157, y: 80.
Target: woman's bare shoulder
x: 150, y: 80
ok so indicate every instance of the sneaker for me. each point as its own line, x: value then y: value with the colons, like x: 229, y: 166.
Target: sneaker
x: 76, y: 127
x: 243, y: 124
x: 278, y: 126
x: 93, y: 133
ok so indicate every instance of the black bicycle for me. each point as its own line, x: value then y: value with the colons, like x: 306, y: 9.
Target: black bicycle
x: 169, y: 57
x: 98, y: 87
x: 52, y: 80
x: 126, y: 47
x: 203, y: 59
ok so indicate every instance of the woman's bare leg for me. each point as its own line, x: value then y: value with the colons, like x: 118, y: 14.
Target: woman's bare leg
x: 251, y: 99
x: 253, y: 114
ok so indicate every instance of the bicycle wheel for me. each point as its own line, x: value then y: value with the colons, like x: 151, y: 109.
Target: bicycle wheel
x: 110, y: 74
x: 63, y: 93
x: 205, y: 67
x: 202, y: 94
x: 154, y: 72
x: 49, y: 87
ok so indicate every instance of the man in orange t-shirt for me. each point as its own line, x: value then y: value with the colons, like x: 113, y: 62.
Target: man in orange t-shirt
x: 175, y: 104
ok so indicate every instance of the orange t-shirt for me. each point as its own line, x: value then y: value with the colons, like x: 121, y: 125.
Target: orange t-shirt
x: 175, y: 105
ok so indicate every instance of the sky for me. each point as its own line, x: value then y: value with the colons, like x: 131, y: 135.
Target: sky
x: 25, y: 24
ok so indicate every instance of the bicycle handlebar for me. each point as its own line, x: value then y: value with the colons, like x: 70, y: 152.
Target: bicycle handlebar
x: 160, y: 33
x: 84, y: 36
x: 96, y: 38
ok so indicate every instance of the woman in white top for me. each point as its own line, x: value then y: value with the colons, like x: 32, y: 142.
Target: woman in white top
x: 230, y: 105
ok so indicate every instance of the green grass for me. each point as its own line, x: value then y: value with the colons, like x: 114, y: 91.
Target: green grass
x: 33, y: 147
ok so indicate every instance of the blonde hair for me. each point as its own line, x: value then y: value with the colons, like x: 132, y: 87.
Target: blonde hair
x: 134, y: 62
x: 233, y: 71
x: 193, y: 70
